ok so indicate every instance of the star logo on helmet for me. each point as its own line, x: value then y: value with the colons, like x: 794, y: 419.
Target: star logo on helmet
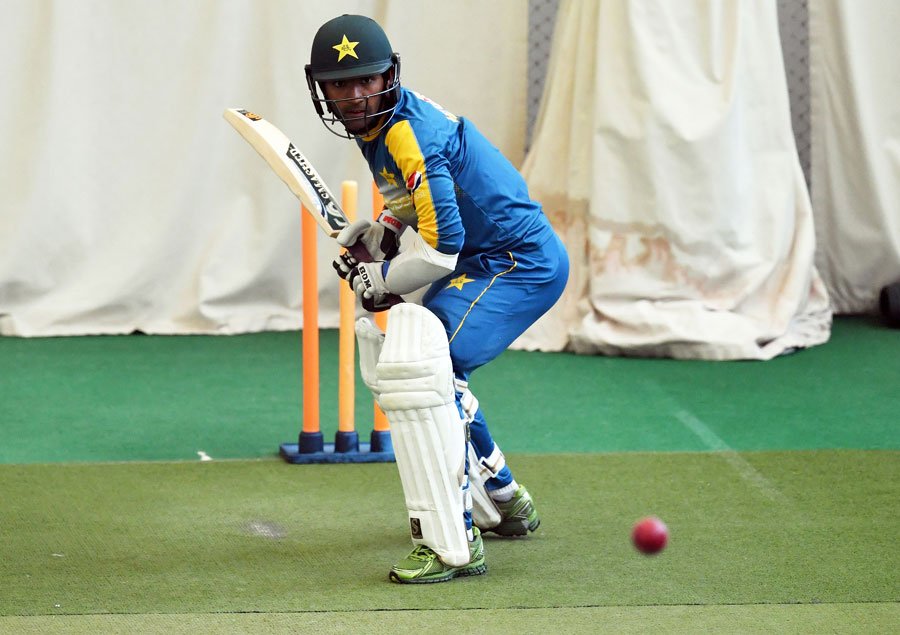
x: 346, y: 48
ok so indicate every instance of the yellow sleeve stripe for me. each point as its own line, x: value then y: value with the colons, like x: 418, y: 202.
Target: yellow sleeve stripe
x: 404, y: 148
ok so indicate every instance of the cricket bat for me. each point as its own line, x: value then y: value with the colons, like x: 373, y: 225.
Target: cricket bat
x: 298, y: 174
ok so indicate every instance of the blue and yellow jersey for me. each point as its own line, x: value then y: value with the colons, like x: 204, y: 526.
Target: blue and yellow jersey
x: 440, y: 175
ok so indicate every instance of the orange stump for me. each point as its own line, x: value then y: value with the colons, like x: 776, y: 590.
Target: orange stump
x: 310, y: 436
x: 347, y: 439
x: 380, y: 420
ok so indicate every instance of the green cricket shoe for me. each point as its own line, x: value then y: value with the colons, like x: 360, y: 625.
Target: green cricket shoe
x: 519, y: 515
x: 423, y: 565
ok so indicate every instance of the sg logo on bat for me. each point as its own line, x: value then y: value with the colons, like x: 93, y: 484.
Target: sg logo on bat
x: 252, y: 116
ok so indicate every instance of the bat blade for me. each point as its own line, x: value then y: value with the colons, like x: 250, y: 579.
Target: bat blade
x: 291, y: 167
x: 299, y: 175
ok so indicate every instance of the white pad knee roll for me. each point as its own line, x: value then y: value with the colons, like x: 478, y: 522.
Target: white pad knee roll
x: 413, y: 383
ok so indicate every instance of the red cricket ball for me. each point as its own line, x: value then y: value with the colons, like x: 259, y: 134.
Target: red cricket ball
x: 650, y: 535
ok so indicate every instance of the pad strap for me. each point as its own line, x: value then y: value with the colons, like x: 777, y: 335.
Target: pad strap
x: 467, y: 400
x: 494, y: 463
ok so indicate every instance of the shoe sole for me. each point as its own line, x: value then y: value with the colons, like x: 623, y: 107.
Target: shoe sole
x: 457, y: 573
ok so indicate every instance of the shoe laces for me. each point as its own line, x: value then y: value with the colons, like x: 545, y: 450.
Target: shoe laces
x: 421, y: 553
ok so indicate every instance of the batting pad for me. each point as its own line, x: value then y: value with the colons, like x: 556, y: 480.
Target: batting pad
x: 484, y: 510
x: 414, y: 384
x: 485, y: 514
x: 370, y: 339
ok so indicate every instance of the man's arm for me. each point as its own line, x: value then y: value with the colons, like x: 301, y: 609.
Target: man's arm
x: 417, y: 266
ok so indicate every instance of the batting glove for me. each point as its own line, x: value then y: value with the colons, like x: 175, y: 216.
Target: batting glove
x: 345, y: 266
x: 381, y: 238
x: 367, y: 281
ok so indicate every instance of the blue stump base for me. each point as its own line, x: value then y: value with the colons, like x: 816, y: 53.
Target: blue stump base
x: 345, y: 449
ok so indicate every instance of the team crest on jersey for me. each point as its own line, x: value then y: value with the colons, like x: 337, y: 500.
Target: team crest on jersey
x: 413, y: 182
x: 460, y: 281
x: 388, y: 176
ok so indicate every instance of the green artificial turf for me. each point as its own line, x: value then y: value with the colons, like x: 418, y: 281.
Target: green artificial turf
x: 774, y: 527
x: 770, y: 618
x: 779, y: 528
x: 169, y: 398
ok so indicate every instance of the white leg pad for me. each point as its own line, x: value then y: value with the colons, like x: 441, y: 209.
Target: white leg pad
x: 484, y: 510
x: 371, y: 340
x: 414, y: 386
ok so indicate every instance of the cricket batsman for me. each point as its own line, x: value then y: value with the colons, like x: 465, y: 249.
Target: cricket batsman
x: 492, y: 265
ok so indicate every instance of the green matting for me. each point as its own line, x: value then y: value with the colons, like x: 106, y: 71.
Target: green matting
x: 779, y: 481
x: 168, y: 398
x: 771, y: 618
x: 780, y: 528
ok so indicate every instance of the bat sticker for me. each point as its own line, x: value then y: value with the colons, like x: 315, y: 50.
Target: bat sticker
x: 330, y: 211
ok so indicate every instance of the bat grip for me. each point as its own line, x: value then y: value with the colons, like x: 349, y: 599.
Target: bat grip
x: 359, y: 251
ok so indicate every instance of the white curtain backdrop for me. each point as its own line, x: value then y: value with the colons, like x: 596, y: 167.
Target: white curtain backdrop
x: 664, y: 155
x: 127, y: 203
x: 855, y: 98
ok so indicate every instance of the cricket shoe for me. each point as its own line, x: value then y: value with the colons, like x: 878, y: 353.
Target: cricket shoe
x: 423, y: 565
x: 518, y: 515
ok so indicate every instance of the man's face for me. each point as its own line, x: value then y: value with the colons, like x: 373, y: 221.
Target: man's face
x: 355, y: 110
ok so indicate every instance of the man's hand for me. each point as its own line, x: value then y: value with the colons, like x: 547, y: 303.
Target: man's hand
x: 345, y: 265
x: 381, y: 239
x: 366, y: 280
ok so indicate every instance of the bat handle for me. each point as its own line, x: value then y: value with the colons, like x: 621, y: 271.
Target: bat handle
x: 359, y: 251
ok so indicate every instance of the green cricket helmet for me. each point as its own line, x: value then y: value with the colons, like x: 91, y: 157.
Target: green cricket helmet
x: 347, y: 47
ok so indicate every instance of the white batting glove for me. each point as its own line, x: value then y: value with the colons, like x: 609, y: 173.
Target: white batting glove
x: 381, y: 239
x: 367, y: 282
